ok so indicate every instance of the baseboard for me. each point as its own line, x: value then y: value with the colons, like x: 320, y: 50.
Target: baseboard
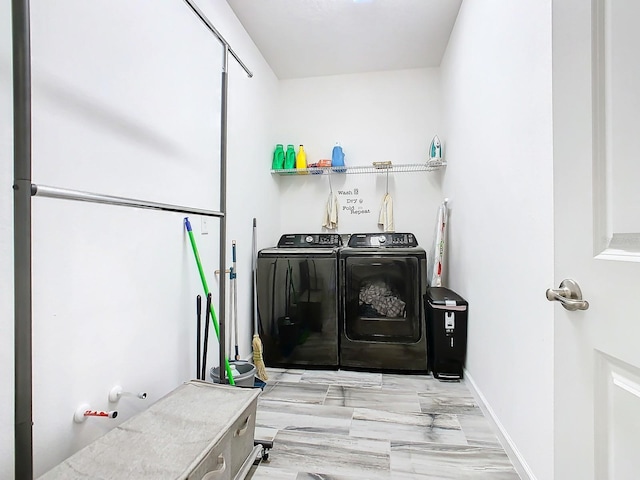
x: 512, y: 451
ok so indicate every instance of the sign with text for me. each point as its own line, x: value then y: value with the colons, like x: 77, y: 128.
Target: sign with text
x: 352, y: 202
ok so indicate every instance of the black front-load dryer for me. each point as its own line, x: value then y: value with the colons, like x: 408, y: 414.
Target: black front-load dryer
x: 297, y: 284
x: 383, y: 277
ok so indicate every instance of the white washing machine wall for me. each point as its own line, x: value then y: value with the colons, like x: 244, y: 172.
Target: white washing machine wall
x: 383, y: 277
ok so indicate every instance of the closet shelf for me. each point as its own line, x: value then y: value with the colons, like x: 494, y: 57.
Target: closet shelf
x: 394, y: 168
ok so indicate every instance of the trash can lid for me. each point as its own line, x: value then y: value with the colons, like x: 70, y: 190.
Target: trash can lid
x: 444, y: 296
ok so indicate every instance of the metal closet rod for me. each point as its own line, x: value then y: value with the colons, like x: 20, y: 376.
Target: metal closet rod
x: 213, y: 29
x: 24, y: 190
x: 66, y: 194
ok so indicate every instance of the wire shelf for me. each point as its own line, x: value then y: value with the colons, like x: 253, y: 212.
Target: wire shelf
x: 397, y: 168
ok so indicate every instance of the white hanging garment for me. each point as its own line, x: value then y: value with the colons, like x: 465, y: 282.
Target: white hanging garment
x: 385, y: 219
x: 330, y: 219
x: 435, y: 265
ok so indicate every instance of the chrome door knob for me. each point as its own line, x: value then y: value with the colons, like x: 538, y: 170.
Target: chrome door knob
x: 569, y: 294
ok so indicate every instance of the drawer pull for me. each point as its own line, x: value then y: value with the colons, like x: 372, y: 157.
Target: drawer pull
x: 242, y: 430
x: 214, y: 474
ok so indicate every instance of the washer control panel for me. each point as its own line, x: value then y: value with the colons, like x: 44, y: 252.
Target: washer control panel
x: 382, y: 240
x: 310, y: 240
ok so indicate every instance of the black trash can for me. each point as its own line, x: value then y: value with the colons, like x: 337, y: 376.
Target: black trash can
x: 446, y: 315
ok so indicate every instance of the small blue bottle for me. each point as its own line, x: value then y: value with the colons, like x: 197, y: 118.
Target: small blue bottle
x: 337, y: 158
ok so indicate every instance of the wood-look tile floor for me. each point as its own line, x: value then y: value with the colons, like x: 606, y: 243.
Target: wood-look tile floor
x: 344, y: 425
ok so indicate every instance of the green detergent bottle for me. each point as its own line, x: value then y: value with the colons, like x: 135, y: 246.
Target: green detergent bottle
x: 290, y: 158
x: 278, y: 158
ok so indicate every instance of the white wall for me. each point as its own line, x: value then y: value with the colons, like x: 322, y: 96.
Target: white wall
x: 496, y: 81
x: 126, y: 102
x: 376, y: 117
x: 6, y: 245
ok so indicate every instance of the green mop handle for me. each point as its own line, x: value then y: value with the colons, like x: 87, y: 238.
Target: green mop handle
x: 214, y: 319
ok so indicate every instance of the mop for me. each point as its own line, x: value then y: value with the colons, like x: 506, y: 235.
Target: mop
x: 234, y: 286
x: 256, y: 343
x: 203, y: 374
x: 214, y: 319
x: 199, y: 328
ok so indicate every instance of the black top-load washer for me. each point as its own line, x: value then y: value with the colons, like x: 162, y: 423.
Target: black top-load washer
x: 298, y: 301
x: 383, y: 277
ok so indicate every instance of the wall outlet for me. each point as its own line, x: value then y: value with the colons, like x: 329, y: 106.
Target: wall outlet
x: 204, y: 226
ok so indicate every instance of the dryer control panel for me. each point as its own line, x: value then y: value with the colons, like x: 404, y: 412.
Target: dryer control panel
x: 381, y: 240
x: 310, y: 240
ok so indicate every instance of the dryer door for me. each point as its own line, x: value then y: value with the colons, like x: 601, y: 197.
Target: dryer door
x: 382, y: 299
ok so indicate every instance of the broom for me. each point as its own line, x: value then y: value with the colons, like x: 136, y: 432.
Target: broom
x: 256, y: 343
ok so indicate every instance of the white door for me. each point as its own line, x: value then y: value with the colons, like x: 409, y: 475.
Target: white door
x: 596, y: 115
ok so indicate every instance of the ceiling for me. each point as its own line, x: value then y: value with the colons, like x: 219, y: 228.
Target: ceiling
x: 308, y: 38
